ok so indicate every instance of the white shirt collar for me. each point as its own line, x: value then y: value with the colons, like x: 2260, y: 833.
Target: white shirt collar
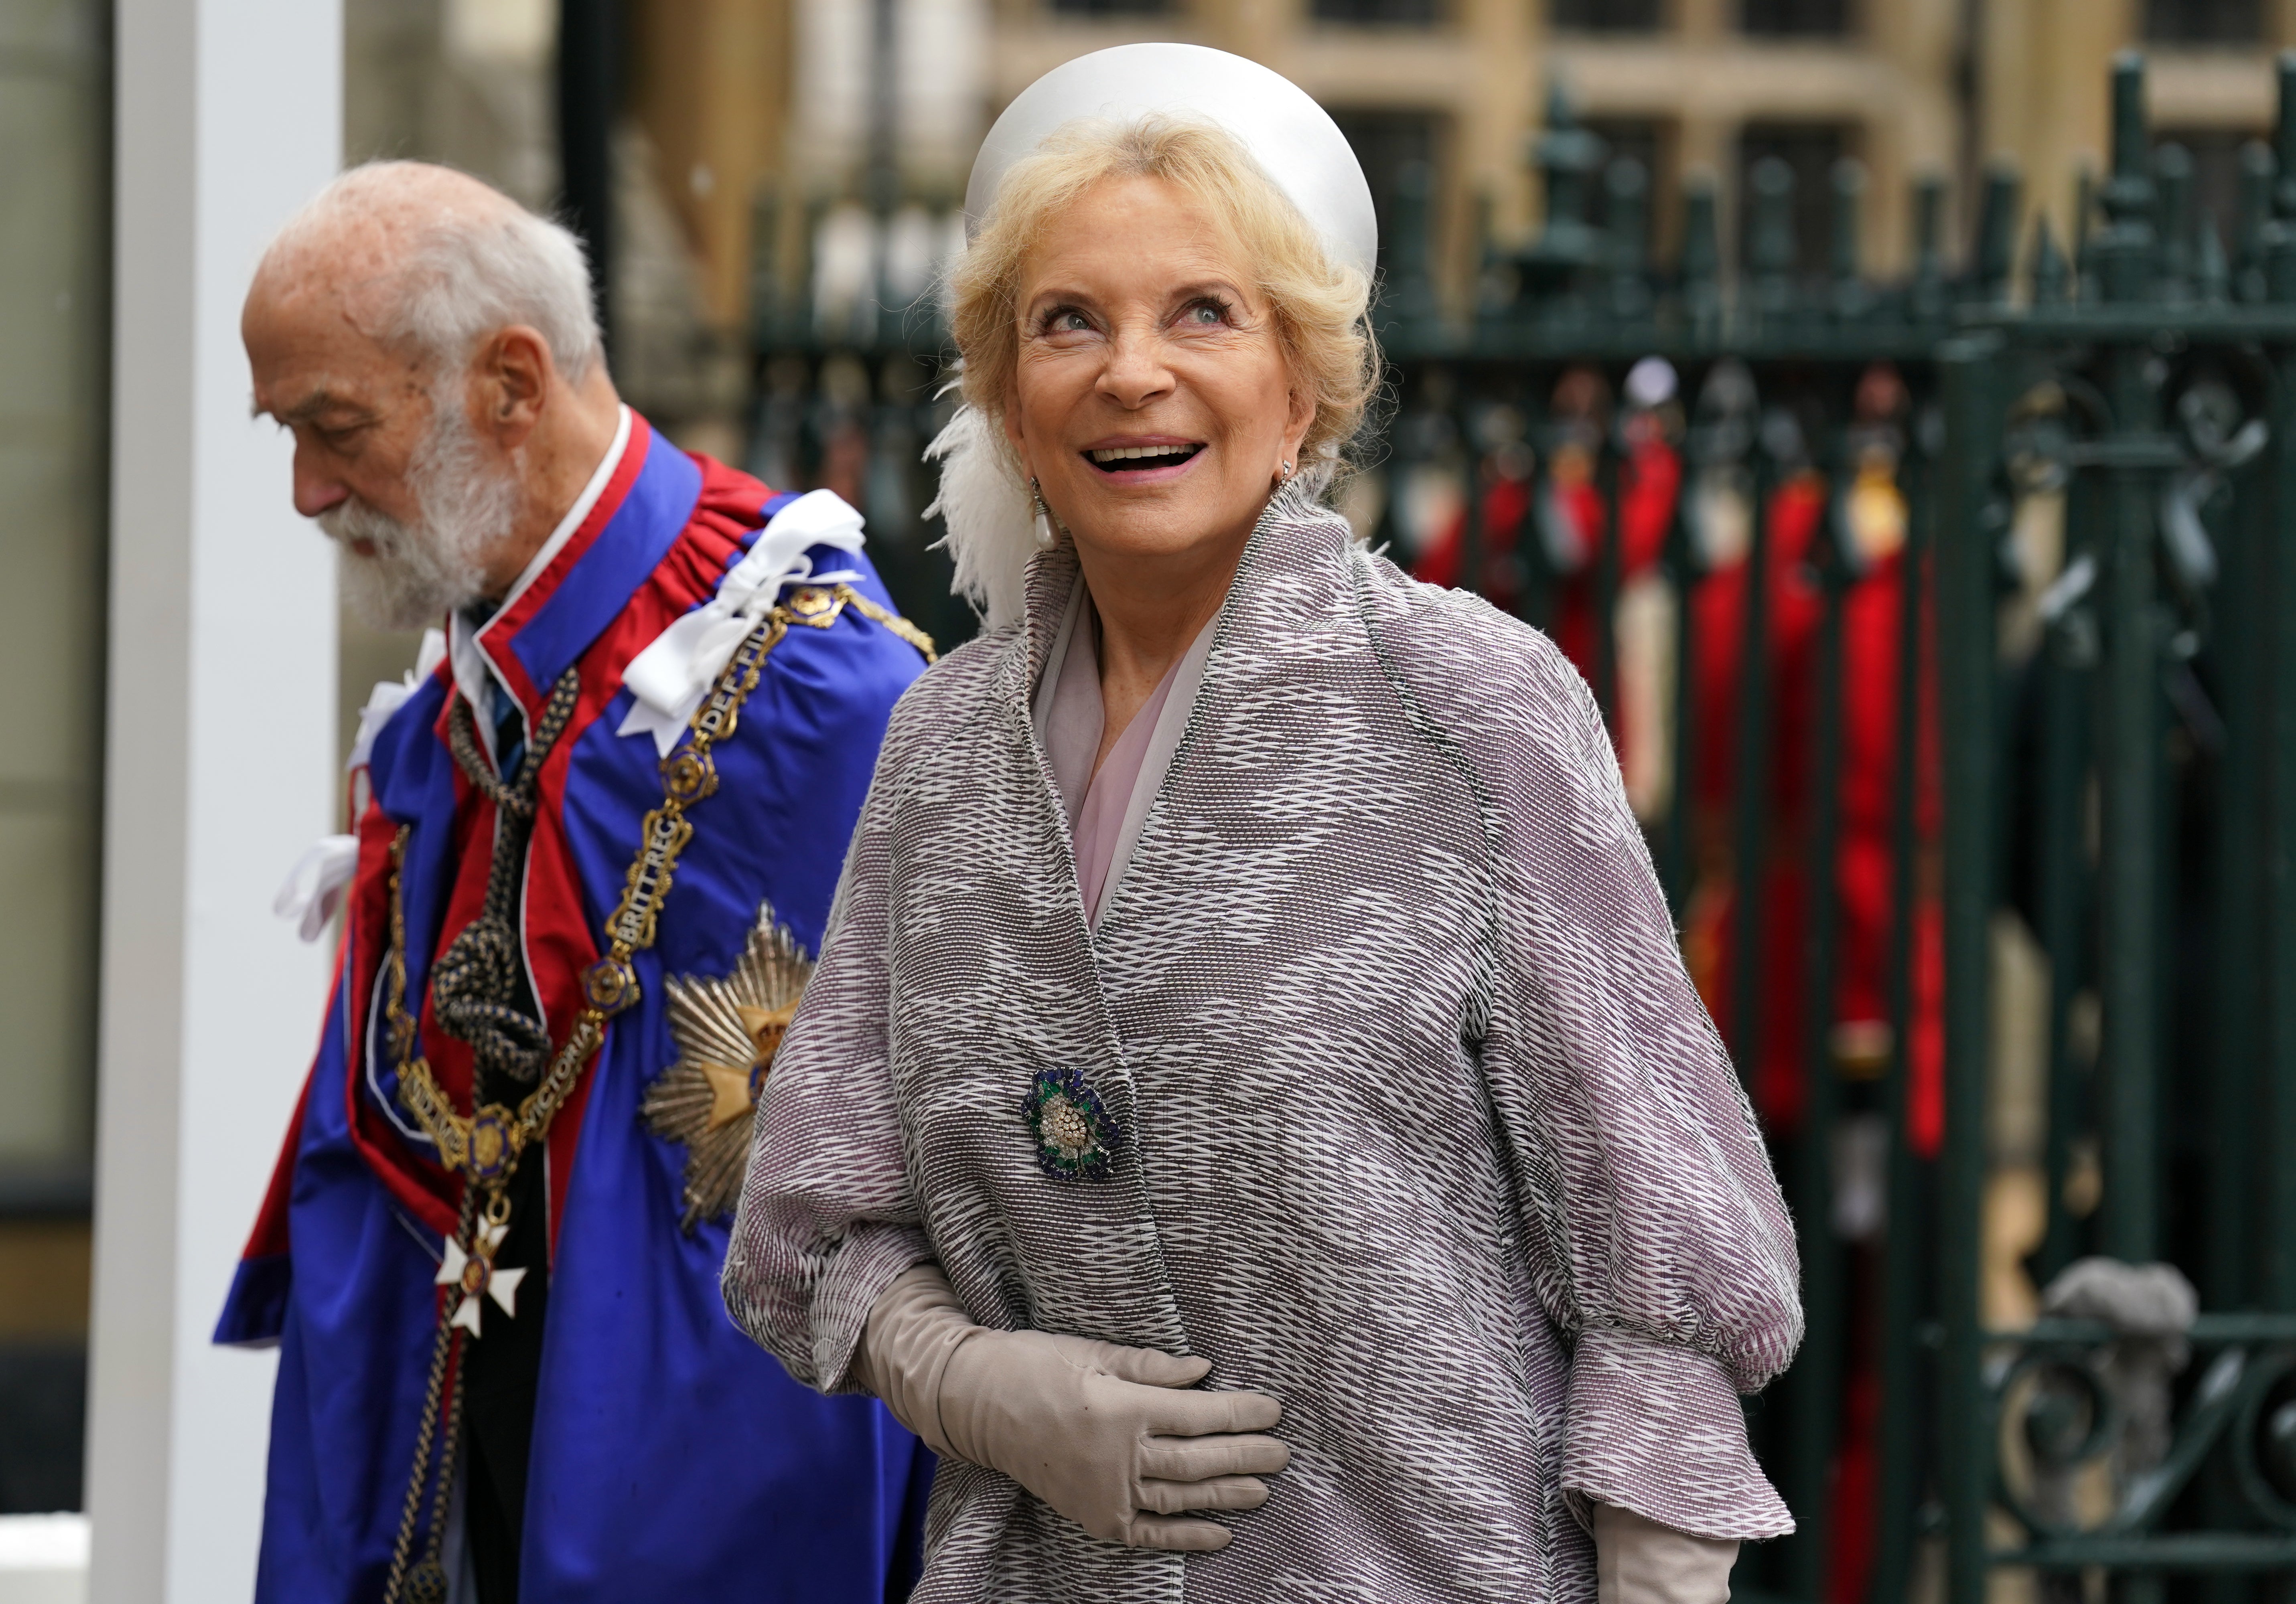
x: 474, y: 675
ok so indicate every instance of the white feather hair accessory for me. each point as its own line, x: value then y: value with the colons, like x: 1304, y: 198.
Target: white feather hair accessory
x: 991, y: 523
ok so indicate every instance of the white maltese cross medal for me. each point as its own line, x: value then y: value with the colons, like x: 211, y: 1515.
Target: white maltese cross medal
x: 727, y: 1032
x: 475, y: 1275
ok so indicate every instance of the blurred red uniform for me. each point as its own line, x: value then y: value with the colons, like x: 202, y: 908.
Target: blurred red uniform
x: 1571, y: 525
x: 1873, y: 617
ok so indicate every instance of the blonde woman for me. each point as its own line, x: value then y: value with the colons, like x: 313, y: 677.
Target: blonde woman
x: 1251, y: 1118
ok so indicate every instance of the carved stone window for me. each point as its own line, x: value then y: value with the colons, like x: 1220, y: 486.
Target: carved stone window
x: 1609, y: 16
x: 1794, y: 18
x: 1391, y: 13
x: 2204, y: 21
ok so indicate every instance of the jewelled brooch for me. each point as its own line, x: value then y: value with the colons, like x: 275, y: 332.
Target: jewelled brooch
x: 1076, y: 1134
x: 728, y: 1031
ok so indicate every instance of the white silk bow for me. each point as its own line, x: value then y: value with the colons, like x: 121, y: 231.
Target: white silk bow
x: 670, y: 677
x: 388, y: 695
x: 314, y: 887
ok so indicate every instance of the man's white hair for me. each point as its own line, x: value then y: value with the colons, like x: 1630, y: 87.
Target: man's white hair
x: 471, y: 272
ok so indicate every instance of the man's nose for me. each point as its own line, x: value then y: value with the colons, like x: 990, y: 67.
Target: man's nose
x: 316, y: 488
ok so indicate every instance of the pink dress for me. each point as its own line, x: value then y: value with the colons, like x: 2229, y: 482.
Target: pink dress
x: 1107, y: 806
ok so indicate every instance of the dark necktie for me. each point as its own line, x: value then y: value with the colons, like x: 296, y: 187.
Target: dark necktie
x: 510, y: 732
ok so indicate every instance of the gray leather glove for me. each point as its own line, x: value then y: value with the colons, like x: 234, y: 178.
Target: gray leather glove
x: 1110, y: 1437
x: 1638, y: 1561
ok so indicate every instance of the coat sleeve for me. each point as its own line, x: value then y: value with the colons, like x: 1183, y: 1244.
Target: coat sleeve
x: 1654, y: 1228
x: 826, y: 1218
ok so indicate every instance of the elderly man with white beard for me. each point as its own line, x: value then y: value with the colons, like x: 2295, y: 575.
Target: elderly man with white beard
x: 594, y: 838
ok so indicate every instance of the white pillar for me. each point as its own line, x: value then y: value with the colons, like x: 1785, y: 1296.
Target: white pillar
x: 221, y: 742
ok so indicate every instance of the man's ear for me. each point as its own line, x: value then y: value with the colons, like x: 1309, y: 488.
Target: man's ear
x: 512, y: 373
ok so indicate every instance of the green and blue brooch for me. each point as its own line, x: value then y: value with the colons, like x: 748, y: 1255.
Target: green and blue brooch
x: 1076, y: 1134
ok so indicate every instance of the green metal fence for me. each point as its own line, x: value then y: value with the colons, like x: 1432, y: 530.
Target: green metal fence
x: 2167, y: 817
x: 1940, y: 621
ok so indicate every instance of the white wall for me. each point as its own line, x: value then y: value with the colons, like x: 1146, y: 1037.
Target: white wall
x: 220, y: 747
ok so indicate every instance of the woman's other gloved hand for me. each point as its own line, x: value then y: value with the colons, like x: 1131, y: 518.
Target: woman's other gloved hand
x: 1638, y: 1561
x: 1112, y: 1437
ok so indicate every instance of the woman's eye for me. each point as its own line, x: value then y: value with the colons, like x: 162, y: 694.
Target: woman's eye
x: 1070, y: 323
x: 1204, y: 314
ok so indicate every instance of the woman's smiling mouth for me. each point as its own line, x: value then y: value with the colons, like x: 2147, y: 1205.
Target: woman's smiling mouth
x: 1138, y: 459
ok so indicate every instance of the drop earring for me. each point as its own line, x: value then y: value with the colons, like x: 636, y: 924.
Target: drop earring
x: 1045, y: 535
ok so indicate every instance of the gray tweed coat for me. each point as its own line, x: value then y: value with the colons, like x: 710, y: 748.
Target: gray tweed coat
x: 1416, y: 1121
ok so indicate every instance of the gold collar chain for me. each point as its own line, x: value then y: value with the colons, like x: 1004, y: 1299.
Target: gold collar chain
x: 485, y: 1145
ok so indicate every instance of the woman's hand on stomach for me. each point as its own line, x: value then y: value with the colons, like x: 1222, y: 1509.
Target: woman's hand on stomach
x: 1112, y: 1437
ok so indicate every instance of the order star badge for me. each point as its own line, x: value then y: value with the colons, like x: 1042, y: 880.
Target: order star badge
x: 727, y: 1032
x: 476, y: 1275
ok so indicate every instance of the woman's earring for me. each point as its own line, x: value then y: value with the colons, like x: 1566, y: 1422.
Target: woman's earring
x: 1045, y: 536
x: 1285, y: 477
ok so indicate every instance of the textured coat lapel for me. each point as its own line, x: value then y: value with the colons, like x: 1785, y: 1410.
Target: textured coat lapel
x: 1015, y: 930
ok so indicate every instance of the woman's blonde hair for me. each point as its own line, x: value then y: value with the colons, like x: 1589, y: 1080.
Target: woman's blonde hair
x: 1320, y: 306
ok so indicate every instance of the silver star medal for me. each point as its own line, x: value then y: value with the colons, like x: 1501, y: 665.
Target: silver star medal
x: 476, y: 1275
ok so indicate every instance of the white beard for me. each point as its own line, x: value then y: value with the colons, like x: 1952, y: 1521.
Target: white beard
x: 418, y: 572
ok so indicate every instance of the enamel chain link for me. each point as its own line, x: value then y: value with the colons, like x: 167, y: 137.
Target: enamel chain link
x: 484, y: 1146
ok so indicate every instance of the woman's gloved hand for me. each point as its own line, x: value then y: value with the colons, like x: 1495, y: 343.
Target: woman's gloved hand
x: 1110, y: 1437
x: 1639, y: 1561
